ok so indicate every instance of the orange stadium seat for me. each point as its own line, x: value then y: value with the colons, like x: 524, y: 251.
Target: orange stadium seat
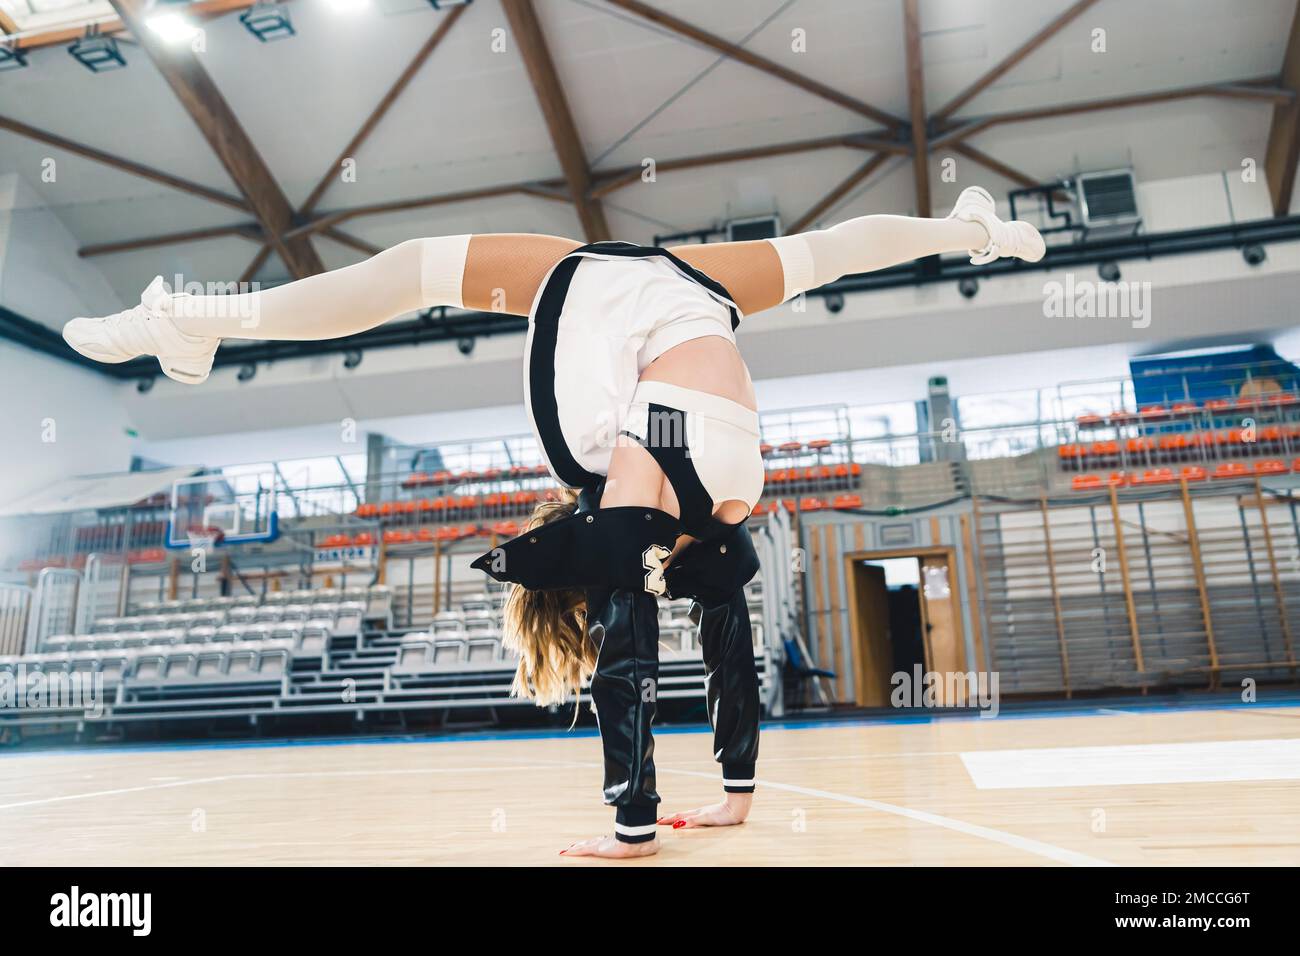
x: 1154, y: 476
x: 1271, y: 466
x: 1194, y: 473
x: 1231, y: 470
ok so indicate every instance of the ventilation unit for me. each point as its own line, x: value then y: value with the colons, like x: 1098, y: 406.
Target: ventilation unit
x: 1108, y: 203
x: 757, y: 227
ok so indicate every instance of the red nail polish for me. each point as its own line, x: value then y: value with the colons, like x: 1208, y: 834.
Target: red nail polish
x: 679, y: 824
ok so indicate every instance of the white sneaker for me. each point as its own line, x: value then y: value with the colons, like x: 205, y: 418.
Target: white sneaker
x: 1015, y: 238
x: 145, y: 329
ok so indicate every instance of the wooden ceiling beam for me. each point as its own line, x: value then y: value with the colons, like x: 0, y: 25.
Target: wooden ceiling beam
x: 124, y: 165
x: 762, y: 64
x: 1012, y: 60
x: 352, y: 242
x: 198, y: 94
x: 331, y: 219
x: 1283, y: 149
x: 1251, y: 90
x: 916, y: 105
x: 527, y: 31
x: 248, y: 230
x: 253, y: 268
x: 1001, y: 168
x: 608, y: 180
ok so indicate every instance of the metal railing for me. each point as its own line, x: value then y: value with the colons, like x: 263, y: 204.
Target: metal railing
x: 15, y: 605
x: 54, y: 606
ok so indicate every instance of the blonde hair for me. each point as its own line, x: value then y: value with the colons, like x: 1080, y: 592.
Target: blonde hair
x: 548, y: 629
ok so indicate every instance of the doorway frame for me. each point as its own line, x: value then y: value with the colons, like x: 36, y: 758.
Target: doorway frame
x: 949, y: 553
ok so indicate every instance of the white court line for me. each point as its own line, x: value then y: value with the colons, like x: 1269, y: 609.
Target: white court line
x: 1201, y: 761
x: 267, y: 776
x: 1035, y: 847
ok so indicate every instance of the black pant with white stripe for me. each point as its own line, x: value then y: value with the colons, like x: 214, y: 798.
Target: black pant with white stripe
x: 624, y: 688
x: 731, y: 687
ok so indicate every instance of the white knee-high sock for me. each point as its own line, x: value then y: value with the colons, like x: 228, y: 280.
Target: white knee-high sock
x: 812, y: 259
x: 413, y: 275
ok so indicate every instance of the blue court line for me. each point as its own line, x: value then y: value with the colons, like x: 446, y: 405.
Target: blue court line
x: 1037, y: 710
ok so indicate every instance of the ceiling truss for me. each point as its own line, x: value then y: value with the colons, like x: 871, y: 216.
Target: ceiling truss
x: 277, y: 227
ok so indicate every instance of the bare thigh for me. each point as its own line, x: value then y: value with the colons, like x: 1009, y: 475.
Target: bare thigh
x: 750, y: 271
x: 503, y: 271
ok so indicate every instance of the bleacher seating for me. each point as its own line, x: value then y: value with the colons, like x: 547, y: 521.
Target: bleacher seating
x: 1226, y: 471
x: 220, y: 639
x: 290, y: 652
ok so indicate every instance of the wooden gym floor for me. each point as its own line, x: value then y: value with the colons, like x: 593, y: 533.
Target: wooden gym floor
x: 1120, y: 786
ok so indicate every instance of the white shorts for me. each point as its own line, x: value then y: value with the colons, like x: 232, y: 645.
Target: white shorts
x: 601, y: 316
x: 707, y: 446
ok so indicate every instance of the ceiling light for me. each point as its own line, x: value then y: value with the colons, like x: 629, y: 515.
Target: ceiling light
x: 267, y: 21
x: 97, y: 53
x: 173, y: 27
x: 11, y: 57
